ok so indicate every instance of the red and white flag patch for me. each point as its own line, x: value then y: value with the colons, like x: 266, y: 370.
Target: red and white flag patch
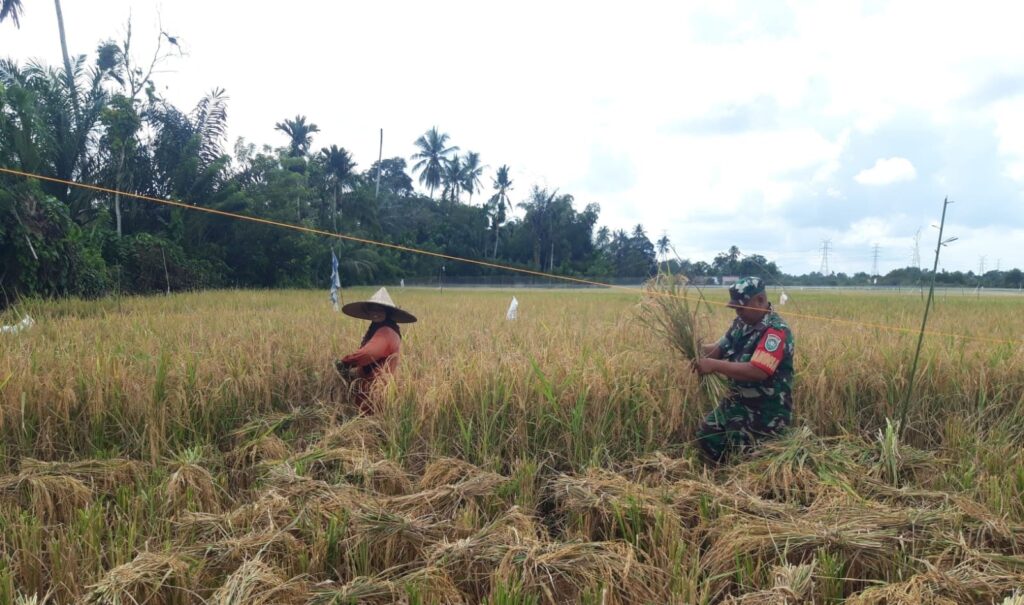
x: 770, y: 351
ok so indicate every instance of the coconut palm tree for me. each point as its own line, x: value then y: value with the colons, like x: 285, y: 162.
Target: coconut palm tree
x: 473, y: 171
x: 300, y: 133
x: 340, y: 172
x: 12, y: 9
x: 431, y: 155
x: 500, y: 202
x: 453, y: 175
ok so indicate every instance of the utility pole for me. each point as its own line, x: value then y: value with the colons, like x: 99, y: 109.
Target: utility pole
x: 874, y: 262
x: 825, y: 244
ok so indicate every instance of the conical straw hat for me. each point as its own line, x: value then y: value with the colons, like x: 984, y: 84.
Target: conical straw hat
x: 380, y: 300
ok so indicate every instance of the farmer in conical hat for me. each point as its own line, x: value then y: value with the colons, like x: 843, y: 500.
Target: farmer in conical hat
x: 756, y: 354
x: 379, y: 351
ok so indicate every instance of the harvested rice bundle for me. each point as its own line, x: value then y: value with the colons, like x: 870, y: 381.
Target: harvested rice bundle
x: 605, y: 506
x: 361, y: 432
x: 470, y: 561
x: 150, y: 577
x: 357, y: 466
x: 451, y: 487
x: 256, y: 583
x: 669, y: 311
x: 191, y: 486
x: 697, y: 500
x: 430, y: 585
x: 278, y: 547
x: 52, y: 498
x: 870, y: 544
x: 565, y: 572
x: 976, y: 580
x: 658, y: 469
x: 791, y: 584
x: 800, y: 467
x: 105, y: 475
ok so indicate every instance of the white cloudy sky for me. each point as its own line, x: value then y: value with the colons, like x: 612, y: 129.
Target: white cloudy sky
x: 769, y: 125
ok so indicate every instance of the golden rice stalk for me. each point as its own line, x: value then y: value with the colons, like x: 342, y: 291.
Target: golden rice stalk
x: 256, y: 583
x: 155, y: 578
x: 668, y: 312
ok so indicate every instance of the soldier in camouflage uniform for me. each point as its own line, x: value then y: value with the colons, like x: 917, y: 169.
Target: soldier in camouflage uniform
x: 756, y: 354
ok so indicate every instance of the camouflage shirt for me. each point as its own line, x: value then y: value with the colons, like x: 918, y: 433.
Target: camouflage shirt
x: 768, y: 345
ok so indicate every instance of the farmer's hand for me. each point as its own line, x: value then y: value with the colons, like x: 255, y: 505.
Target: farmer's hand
x: 702, y: 366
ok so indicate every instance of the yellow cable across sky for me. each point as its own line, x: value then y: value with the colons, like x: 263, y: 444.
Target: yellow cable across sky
x: 472, y: 261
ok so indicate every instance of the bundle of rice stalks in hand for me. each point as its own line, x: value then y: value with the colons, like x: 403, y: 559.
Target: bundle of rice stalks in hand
x: 668, y: 310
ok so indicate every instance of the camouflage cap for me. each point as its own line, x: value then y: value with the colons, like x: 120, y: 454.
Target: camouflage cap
x: 745, y: 289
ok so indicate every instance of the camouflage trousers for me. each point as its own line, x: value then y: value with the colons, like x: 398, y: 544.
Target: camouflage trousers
x: 739, y: 423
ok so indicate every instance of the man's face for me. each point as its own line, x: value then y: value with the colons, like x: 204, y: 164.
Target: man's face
x: 753, y: 311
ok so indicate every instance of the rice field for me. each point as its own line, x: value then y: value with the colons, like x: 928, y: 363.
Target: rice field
x: 199, y: 448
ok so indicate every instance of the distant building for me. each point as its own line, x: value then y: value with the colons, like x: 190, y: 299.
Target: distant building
x: 728, y: 280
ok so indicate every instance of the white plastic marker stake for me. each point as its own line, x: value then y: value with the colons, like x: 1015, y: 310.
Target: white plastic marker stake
x: 513, y: 310
x: 783, y: 298
x: 401, y: 283
x: 25, y: 323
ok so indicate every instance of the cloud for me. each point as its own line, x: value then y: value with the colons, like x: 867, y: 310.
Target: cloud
x: 887, y: 171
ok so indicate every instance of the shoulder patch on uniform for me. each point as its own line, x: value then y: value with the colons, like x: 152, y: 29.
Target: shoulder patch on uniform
x: 772, y: 342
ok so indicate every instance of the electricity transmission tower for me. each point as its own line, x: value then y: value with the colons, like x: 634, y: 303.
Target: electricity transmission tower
x: 825, y: 245
x: 874, y: 260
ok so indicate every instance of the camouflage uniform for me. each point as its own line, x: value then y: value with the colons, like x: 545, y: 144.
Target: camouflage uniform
x: 751, y: 411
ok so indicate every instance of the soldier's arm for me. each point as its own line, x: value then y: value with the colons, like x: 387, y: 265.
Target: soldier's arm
x: 740, y: 371
x: 712, y: 351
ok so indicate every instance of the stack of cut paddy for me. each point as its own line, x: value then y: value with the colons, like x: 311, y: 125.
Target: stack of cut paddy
x: 673, y: 310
